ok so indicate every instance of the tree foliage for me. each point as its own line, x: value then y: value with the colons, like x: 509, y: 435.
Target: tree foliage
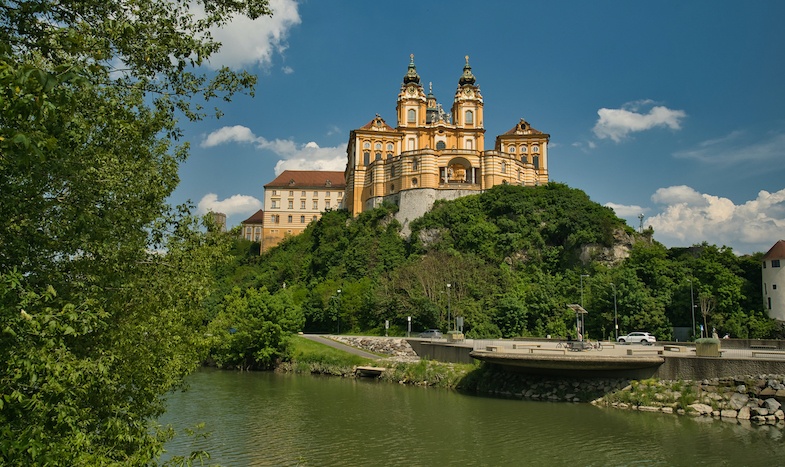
x: 101, y: 283
x: 512, y: 258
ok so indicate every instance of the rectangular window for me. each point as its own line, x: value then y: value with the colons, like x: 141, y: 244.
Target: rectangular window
x: 775, y: 263
x: 274, y: 204
x: 315, y: 194
x: 315, y: 204
x: 275, y: 192
x: 290, y: 219
x: 327, y: 204
x: 302, y: 204
x: 302, y: 219
x: 302, y: 193
x: 291, y: 204
x: 326, y: 194
x: 291, y: 193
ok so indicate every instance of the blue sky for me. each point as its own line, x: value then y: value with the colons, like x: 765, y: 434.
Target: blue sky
x: 671, y: 109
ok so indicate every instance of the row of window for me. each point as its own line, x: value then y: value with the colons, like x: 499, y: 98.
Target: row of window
x: 535, y: 163
x: 523, y: 149
x: 303, y: 193
x: 276, y: 219
x: 290, y: 205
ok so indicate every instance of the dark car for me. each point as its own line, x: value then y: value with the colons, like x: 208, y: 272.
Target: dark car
x: 432, y: 334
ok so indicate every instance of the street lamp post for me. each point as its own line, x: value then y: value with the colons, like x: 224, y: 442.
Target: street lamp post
x: 339, y: 311
x: 449, y: 318
x: 615, y: 313
x: 692, y: 308
x: 580, y: 328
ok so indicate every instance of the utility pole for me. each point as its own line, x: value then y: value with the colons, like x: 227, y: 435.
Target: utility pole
x: 615, y: 313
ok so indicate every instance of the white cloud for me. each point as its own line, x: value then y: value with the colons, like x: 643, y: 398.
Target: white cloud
x: 616, y: 124
x: 623, y: 210
x: 248, y: 42
x: 293, y: 156
x: 689, y: 217
x: 287, y: 70
x: 236, y: 204
x: 738, y: 146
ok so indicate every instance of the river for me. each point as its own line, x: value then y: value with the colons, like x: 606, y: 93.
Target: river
x: 267, y: 419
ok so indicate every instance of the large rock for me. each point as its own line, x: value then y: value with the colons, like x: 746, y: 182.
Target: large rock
x: 744, y: 413
x: 772, y: 405
x: 701, y: 409
x: 738, y: 401
x: 727, y: 413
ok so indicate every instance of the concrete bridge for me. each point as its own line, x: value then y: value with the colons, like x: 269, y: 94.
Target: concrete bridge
x: 666, y: 360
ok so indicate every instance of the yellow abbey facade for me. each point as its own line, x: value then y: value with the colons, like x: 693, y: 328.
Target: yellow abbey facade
x: 432, y: 154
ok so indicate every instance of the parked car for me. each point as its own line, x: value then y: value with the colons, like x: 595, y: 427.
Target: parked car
x: 432, y: 334
x: 642, y: 337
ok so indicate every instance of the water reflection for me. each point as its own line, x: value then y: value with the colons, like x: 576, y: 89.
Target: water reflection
x: 261, y: 419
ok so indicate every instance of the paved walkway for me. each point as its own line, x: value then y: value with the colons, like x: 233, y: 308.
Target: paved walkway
x: 339, y: 346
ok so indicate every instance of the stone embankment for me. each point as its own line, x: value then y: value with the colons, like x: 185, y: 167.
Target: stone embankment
x: 395, y: 348
x: 756, y: 399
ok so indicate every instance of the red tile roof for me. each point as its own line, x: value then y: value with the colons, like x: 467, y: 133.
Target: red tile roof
x: 776, y: 252
x: 308, y: 179
x: 256, y: 218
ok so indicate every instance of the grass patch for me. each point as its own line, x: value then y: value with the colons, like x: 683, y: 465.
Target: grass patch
x: 306, y: 351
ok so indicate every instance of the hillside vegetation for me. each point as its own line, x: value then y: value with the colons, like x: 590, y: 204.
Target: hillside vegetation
x: 512, y: 258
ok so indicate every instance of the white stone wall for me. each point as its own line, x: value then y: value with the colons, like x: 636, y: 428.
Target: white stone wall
x: 416, y: 202
x: 774, y: 290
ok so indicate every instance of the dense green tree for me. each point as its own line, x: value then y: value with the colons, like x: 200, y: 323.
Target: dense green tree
x: 252, y: 328
x: 101, y: 284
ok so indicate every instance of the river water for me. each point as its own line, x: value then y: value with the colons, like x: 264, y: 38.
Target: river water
x: 267, y: 419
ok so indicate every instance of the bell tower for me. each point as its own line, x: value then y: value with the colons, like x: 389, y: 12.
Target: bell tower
x: 411, y: 100
x: 467, y: 111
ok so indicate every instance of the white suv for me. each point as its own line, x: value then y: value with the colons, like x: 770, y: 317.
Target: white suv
x: 642, y: 337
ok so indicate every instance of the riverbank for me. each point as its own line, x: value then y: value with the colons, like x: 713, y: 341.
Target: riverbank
x: 744, y: 399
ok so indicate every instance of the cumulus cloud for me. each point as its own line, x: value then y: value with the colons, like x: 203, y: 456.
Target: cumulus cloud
x: 737, y: 146
x: 624, y: 210
x: 294, y: 156
x: 236, y: 204
x: 688, y: 217
x: 616, y: 124
x: 248, y: 42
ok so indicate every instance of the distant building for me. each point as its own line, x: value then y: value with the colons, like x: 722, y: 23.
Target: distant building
x: 295, y: 199
x: 252, y: 227
x: 774, y: 281
x: 433, y: 154
x: 219, y: 219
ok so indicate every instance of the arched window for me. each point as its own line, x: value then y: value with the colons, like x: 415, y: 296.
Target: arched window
x: 414, y: 182
x: 536, y: 162
x: 390, y: 146
x: 366, y: 158
x: 378, y: 156
x: 523, y: 159
x: 511, y: 149
x: 469, y: 117
x: 392, y: 188
x: 523, y: 148
x: 504, y: 167
x: 535, y: 149
x: 415, y: 165
x: 440, y: 146
x: 412, y: 116
x: 392, y: 171
x: 366, y: 145
x: 389, y: 155
x: 378, y: 146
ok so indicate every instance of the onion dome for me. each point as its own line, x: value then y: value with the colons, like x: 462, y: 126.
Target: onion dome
x: 411, y: 75
x: 467, y: 77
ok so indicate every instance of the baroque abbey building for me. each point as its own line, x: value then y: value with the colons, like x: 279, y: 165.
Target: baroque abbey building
x: 432, y: 154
